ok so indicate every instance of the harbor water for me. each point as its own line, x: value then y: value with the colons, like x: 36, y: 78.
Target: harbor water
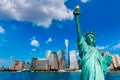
x: 50, y: 76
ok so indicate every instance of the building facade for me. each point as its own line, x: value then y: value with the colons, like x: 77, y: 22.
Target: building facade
x: 39, y: 64
x: 73, y: 60
x: 21, y: 66
x: 61, y: 59
x: 15, y: 65
x: 27, y: 66
x: 33, y: 63
x: 53, y: 61
x: 18, y: 65
x: 116, y: 61
x: 42, y: 64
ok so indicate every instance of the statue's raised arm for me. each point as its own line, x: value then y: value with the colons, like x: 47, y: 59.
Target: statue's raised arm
x: 77, y: 20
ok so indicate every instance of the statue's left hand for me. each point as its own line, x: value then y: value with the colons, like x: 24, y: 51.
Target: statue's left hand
x: 107, y: 60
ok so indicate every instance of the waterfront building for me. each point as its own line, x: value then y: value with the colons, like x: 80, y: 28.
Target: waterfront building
x: 53, y: 61
x: 61, y: 59
x: 67, y: 59
x: 20, y: 66
x: 48, y: 53
x: 116, y: 61
x: 15, y: 65
x: 33, y: 63
x: 42, y: 64
x: 73, y: 60
x: 39, y: 64
x: 27, y: 66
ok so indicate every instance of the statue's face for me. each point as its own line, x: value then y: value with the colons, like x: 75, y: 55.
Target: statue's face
x: 90, y: 39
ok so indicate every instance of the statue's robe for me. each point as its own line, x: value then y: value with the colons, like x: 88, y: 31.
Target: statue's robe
x: 91, y: 61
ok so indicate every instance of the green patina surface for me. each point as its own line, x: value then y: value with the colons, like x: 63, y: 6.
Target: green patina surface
x: 93, y: 65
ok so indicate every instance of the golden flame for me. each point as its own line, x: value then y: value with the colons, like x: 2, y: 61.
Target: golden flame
x: 77, y: 7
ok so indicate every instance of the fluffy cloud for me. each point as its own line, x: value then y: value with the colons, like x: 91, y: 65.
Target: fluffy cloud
x: 33, y: 49
x: 49, y: 40
x: 102, y: 47
x: 41, y: 12
x: 84, y: 1
x: 2, y: 30
x: 117, y: 46
x: 11, y: 57
x: 35, y: 42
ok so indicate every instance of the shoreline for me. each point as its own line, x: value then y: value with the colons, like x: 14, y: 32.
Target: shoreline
x: 58, y: 71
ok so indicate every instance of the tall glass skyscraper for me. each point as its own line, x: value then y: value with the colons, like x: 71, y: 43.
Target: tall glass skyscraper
x: 67, y: 53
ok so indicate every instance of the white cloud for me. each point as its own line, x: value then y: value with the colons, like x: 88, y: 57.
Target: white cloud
x: 2, y: 30
x: 84, y: 1
x: 41, y: 12
x: 33, y: 49
x: 102, y: 47
x: 11, y: 57
x: 49, y: 40
x: 117, y: 46
x: 35, y: 42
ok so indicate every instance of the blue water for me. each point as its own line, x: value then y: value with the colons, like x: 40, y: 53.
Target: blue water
x: 49, y: 76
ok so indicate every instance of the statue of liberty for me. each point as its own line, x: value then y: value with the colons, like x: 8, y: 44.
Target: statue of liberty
x: 93, y: 65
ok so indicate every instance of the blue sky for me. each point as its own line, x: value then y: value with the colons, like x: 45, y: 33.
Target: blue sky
x: 30, y: 27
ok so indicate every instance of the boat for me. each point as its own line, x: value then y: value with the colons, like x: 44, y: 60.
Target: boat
x: 61, y: 70
x: 18, y: 71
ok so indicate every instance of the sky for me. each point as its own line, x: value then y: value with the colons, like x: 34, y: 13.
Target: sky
x: 28, y: 28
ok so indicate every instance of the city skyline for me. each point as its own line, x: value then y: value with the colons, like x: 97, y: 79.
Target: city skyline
x: 29, y: 28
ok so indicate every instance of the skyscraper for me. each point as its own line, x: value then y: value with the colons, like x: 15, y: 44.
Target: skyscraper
x: 116, y: 62
x: 27, y: 66
x: 48, y: 53
x: 66, y: 53
x: 15, y: 65
x: 33, y: 63
x: 61, y: 59
x: 21, y: 65
x: 18, y: 65
x: 53, y: 61
x: 73, y: 60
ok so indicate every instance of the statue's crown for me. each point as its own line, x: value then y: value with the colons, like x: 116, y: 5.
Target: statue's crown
x: 89, y: 33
